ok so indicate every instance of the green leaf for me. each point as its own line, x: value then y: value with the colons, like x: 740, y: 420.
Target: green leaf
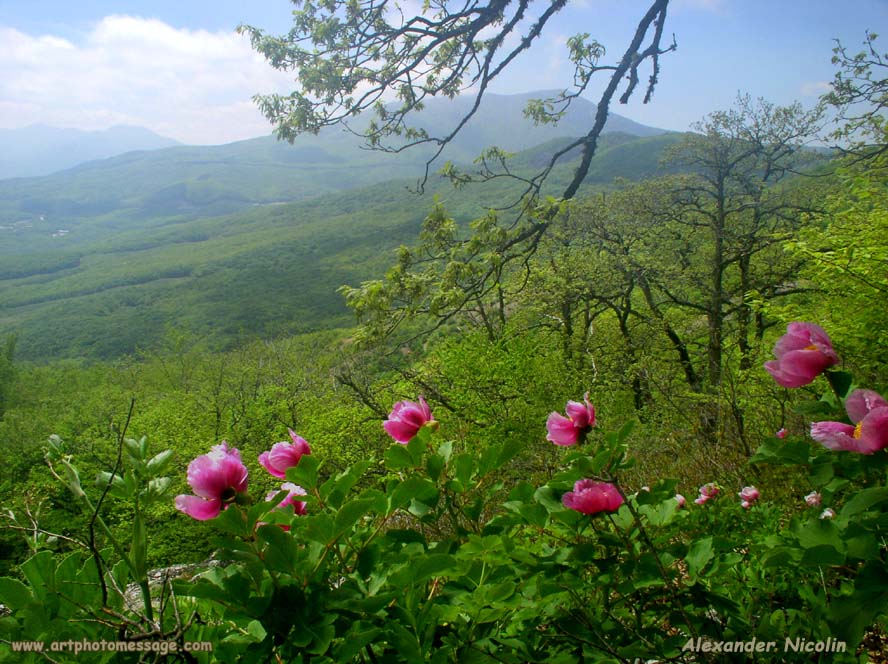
x: 39, y: 570
x: 413, y: 487
x: 418, y: 444
x: 14, y: 593
x: 281, y: 551
x: 159, y: 462
x: 699, y: 555
x: 350, y: 513
x: 851, y: 616
x: 233, y: 520
x: 822, y: 554
x: 445, y: 450
x: 355, y: 640
x: 781, y: 452
x: 435, y: 466
x: 433, y: 565
x: 841, y: 382
x: 305, y: 474
x: 625, y: 431
x: 397, y: 457
x: 334, y: 490
x: 864, y: 500
x: 820, y: 533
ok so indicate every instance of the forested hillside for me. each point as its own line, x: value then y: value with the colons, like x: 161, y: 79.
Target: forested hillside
x: 611, y: 398
x: 270, y: 269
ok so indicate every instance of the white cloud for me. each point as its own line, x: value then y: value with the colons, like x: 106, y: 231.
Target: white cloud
x: 193, y: 85
x: 814, y: 88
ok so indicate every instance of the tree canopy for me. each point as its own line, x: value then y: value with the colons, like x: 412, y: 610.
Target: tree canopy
x: 351, y: 56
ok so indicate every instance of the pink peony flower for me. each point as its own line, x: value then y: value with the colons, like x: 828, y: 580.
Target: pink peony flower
x: 298, y: 506
x: 710, y: 490
x: 869, y: 411
x: 292, y: 490
x: 781, y: 434
x: 590, y: 497
x: 749, y: 494
x: 284, y: 455
x: 707, y: 493
x: 802, y: 354
x: 406, y: 419
x: 680, y: 499
x: 217, y: 479
x: 568, y: 430
x: 813, y: 499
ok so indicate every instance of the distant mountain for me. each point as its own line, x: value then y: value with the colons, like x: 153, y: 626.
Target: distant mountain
x: 253, y: 237
x: 109, y: 284
x: 40, y: 150
x: 206, y: 180
x: 500, y: 121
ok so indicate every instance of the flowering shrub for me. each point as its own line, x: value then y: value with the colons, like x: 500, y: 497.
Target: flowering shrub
x: 440, y: 553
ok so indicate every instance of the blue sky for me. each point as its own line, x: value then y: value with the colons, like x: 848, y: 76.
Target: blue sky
x: 179, y: 69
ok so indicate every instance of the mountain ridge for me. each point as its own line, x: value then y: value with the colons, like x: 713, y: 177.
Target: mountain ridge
x: 40, y: 149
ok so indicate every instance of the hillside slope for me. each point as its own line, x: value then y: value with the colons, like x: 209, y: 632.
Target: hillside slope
x: 269, y: 270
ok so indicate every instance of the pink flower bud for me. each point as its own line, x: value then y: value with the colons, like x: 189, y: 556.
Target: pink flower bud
x: 813, y: 499
x: 284, y: 455
x: 406, y: 419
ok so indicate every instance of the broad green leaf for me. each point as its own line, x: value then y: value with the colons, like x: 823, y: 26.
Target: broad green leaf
x: 864, y: 500
x: 397, y: 457
x: 699, y: 555
x: 14, y: 593
x: 305, y: 474
x: 350, y: 513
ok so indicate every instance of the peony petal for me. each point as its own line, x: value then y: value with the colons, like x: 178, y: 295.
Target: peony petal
x: 874, y: 431
x: 561, y: 430
x: 265, y: 460
x: 198, y: 508
x: 578, y: 414
x: 860, y: 402
x: 211, y: 475
x: 835, y: 435
x: 426, y: 411
x: 400, y: 431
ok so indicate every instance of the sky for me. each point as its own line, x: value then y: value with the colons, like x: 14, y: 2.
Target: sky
x: 178, y: 67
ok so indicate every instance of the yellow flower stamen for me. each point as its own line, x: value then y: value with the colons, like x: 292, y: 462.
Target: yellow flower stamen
x: 857, y: 429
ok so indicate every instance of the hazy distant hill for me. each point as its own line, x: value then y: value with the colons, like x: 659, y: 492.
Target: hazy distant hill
x: 253, y: 237
x: 500, y: 121
x: 211, y: 180
x: 115, y: 283
x: 41, y: 150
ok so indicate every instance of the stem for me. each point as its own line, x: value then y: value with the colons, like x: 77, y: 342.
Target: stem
x: 668, y: 581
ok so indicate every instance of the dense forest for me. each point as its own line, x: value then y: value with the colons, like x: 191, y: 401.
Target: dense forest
x: 560, y: 376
